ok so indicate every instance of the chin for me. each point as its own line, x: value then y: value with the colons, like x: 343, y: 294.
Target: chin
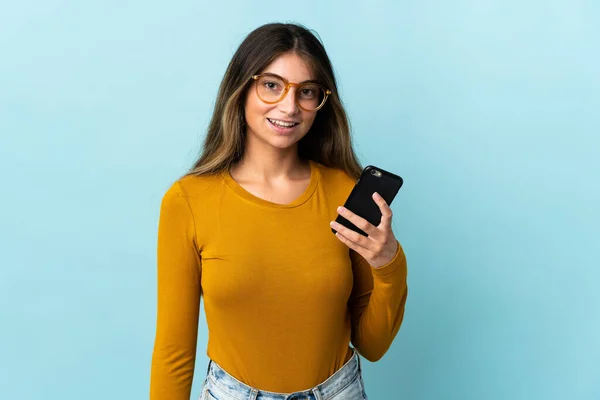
x: 282, y: 142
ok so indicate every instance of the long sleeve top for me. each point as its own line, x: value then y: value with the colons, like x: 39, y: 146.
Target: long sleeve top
x: 283, y: 297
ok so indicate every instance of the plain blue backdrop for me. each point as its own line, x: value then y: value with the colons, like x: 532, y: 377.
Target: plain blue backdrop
x: 490, y: 110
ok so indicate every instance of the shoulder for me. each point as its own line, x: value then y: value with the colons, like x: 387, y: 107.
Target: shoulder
x: 191, y: 187
x: 335, y: 184
x: 194, y: 185
x: 336, y: 180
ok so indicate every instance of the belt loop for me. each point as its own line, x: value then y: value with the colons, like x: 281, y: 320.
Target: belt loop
x: 253, y: 394
x: 317, y: 393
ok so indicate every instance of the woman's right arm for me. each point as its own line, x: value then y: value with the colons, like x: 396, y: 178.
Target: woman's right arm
x: 179, y: 290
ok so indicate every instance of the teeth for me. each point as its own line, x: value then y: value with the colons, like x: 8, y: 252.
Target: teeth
x: 282, y: 124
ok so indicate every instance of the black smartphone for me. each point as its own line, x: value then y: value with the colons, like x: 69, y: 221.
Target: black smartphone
x: 360, y: 201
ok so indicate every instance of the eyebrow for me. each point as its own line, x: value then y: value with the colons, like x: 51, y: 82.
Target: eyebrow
x: 281, y: 77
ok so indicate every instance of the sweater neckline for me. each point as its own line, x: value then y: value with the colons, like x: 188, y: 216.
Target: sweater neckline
x: 303, y: 198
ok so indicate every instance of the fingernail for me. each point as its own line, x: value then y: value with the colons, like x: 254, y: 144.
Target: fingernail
x: 341, y: 209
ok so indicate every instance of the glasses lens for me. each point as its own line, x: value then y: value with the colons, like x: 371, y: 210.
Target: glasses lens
x: 310, y: 96
x: 270, y: 88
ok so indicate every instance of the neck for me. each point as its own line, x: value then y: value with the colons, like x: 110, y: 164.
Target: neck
x: 263, y: 162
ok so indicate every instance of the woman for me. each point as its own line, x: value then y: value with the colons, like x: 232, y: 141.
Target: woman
x: 248, y: 229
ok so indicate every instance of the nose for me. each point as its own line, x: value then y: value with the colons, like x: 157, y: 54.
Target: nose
x: 288, y: 104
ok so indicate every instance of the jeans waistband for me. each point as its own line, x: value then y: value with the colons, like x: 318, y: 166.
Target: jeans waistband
x: 240, y: 391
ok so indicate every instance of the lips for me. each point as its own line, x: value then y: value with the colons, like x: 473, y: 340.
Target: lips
x: 283, y: 124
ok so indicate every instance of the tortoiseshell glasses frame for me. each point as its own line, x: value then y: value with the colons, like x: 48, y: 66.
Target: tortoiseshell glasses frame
x: 310, y: 85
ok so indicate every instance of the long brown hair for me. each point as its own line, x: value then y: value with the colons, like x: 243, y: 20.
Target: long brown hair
x: 328, y: 141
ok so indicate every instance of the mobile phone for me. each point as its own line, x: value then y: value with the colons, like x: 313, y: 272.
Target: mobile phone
x: 361, y: 202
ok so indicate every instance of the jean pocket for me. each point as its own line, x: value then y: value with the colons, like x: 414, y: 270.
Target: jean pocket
x: 211, y: 391
x: 352, y: 391
x: 206, y: 394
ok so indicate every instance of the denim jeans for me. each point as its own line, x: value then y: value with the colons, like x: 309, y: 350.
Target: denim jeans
x: 345, y: 384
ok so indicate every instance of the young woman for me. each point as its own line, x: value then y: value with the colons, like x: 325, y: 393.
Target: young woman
x: 249, y: 230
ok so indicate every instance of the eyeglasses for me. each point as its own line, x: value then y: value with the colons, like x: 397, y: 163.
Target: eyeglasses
x: 271, y: 88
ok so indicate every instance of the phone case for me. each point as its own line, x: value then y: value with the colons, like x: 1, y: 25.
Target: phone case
x: 361, y: 202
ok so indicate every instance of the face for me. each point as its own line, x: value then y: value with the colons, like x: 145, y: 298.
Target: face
x: 262, y: 119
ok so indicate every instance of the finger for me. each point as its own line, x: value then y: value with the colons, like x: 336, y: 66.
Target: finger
x: 358, y: 221
x: 356, y: 238
x: 359, y: 249
x: 386, y: 211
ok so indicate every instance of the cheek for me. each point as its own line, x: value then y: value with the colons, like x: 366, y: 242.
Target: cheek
x: 255, y: 110
x: 308, y: 119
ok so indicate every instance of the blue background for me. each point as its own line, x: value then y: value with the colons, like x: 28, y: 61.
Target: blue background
x: 488, y: 109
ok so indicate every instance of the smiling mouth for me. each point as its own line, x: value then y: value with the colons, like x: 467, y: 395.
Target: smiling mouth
x: 282, y: 124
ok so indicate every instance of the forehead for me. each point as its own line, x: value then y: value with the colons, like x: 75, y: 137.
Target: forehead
x: 291, y: 67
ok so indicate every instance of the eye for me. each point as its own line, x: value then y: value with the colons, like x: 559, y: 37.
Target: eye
x: 308, y: 92
x: 271, y: 85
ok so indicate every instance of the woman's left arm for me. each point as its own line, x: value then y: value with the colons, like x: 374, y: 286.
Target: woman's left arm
x: 379, y: 293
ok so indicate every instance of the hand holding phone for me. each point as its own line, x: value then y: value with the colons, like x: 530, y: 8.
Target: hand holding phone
x: 375, y: 242
x: 360, y: 201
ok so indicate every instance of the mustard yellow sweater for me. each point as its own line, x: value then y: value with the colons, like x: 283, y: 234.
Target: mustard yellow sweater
x: 283, y: 297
